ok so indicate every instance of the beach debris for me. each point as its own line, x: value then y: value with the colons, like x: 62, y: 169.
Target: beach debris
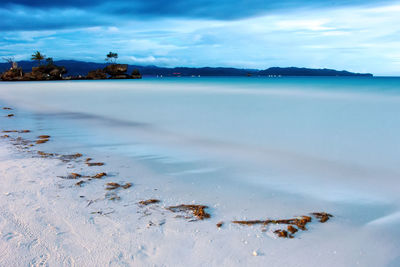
x: 196, y: 211
x: 219, y: 225
x: 88, y: 159
x: 113, y: 186
x: 281, y: 233
x: 149, y: 201
x: 5, y: 136
x: 74, y: 175
x: 91, y: 164
x: 43, y: 136
x: 292, y: 229
x: 251, y: 222
x: 16, y: 131
x: 99, y: 175
x: 42, y: 141
x: 10, y: 115
x: 80, y: 183
x: 126, y: 186
x: 44, y: 154
x: 7, y: 108
x: 300, y: 222
x: 322, y: 216
x: 255, y: 253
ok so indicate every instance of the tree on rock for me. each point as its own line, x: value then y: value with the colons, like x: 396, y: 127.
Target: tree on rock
x: 112, y: 57
x: 38, y: 57
x: 50, y: 61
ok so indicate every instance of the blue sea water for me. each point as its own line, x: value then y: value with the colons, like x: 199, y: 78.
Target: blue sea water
x: 335, y: 138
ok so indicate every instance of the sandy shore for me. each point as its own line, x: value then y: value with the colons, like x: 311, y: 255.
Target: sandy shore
x: 48, y: 220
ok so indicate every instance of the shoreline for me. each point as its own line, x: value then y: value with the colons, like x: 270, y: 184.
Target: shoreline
x: 43, y: 209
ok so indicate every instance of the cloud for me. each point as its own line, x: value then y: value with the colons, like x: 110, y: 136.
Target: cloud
x: 358, y: 38
x: 56, y: 14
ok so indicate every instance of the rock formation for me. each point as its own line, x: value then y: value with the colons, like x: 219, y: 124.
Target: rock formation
x: 136, y: 74
x: 40, y: 73
x: 98, y: 74
x: 52, y: 72
x: 116, y: 69
x: 13, y: 74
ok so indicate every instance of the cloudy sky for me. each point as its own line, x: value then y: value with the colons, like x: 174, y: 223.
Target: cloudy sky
x: 356, y: 35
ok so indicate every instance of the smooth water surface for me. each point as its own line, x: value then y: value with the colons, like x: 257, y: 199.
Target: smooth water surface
x: 335, y: 138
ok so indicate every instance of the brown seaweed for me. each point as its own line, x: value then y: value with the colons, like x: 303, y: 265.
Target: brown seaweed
x: 113, y: 186
x: 42, y: 141
x: 99, y: 175
x: 198, y: 211
x: 148, y: 202
x: 322, y: 216
x: 80, y: 183
x: 91, y: 164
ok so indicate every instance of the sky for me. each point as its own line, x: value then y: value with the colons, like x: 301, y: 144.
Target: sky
x: 354, y: 35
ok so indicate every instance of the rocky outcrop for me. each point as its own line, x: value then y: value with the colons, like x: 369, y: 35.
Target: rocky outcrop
x: 40, y: 73
x: 116, y: 69
x: 13, y: 74
x: 46, y: 72
x: 98, y: 74
x: 136, y: 74
x: 53, y: 72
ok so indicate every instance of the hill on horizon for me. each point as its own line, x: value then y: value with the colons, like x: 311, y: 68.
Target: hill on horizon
x: 76, y: 67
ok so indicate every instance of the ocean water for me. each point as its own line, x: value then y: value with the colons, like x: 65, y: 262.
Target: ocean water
x: 335, y: 140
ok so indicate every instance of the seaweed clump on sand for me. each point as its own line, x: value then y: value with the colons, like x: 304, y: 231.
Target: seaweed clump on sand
x: 149, y: 201
x: 113, y: 186
x: 10, y: 115
x: 99, y: 175
x: 194, y: 211
x: 45, y: 155
x: 74, y: 175
x: 16, y: 131
x: 43, y: 139
x: 91, y: 164
x: 299, y: 222
x: 322, y: 216
x: 7, y: 108
x: 80, y: 183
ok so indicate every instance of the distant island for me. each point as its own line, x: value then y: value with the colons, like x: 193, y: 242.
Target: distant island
x: 73, y: 69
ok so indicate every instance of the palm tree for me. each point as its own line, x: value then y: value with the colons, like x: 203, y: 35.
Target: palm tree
x: 112, y: 57
x: 38, y: 56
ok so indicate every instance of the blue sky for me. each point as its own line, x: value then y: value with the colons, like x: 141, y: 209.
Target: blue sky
x: 361, y: 36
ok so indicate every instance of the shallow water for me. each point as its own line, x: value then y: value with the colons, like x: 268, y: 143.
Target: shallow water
x: 250, y: 148
x: 333, y: 139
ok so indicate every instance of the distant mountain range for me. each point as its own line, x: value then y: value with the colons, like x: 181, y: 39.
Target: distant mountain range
x: 75, y: 68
